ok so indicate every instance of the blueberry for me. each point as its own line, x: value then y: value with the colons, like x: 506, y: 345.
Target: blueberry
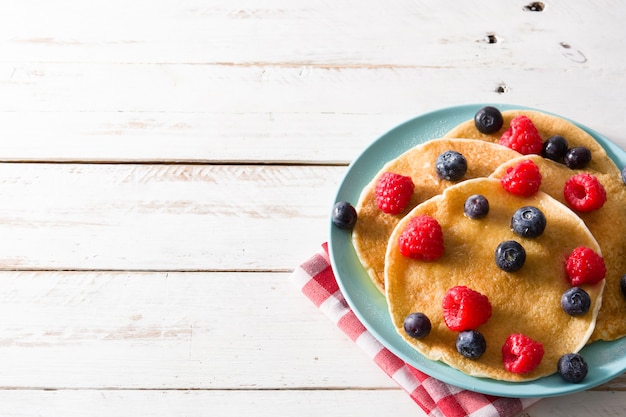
x: 572, y: 367
x: 528, y: 222
x: 510, y: 256
x: 624, y: 175
x: 622, y: 284
x: 417, y: 325
x: 575, y: 301
x: 577, y: 158
x: 344, y: 215
x: 554, y: 148
x: 451, y: 166
x: 476, y: 206
x: 488, y: 120
x: 471, y: 344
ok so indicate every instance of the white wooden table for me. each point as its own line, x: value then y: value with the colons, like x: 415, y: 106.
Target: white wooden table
x: 165, y: 164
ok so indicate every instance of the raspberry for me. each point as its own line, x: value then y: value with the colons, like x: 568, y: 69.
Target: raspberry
x: 422, y: 239
x: 584, y: 266
x: 465, y: 309
x: 393, y: 192
x: 523, y: 178
x: 522, y: 137
x: 521, y: 354
x: 583, y: 192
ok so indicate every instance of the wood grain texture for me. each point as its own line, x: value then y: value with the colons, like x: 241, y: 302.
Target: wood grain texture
x: 196, y: 403
x: 189, y: 81
x: 163, y: 217
x: 173, y: 330
x: 349, y: 403
x: 404, y: 33
x: 217, y: 113
x: 168, y: 330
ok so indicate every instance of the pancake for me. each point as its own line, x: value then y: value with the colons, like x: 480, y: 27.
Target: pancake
x: 608, y: 227
x: 526, y: 301
x: 373, y: 227
x: 547, y: 125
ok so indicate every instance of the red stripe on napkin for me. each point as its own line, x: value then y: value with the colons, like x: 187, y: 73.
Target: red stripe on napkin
x: 316, y: 280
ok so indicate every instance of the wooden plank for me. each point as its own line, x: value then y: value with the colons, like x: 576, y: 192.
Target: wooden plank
x: 588, y: 403
x: 349, y: 403
x: 99, y: 330
x: 97, y: 87
x: 216, y: 113
x: 103, y: 403
x: 315, y: 137
x: 353, y: 32
x: 175, y: 331
x: 163, y: 217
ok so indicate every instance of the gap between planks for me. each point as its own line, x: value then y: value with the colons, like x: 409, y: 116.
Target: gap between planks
x: 193, y: 162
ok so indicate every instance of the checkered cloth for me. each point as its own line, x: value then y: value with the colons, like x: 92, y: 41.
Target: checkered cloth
x: 316, y: 280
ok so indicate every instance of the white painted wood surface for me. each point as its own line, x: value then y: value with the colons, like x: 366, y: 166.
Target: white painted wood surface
x: 165, y: 164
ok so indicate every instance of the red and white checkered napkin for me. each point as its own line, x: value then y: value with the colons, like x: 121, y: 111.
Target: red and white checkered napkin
x: 316, y: 280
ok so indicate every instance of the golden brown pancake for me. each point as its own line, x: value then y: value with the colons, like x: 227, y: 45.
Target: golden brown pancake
x: 547, y: 125
x: 373, y: 227
x: 526, y: 301
x: 608, y: 227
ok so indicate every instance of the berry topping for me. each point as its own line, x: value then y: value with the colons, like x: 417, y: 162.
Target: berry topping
x: 622, y: 284
x: 554, y: 148
x: 584, y: 266
x: 522, y: 136
x: 583, y: 192
x: 523, y: 179
x: 417, y: 325
x: 624, y: 175
x: 344, y: 215
x: 577, y: 158
x: 451, y: 166
x: 471, y: 344
x: 528, y: 222
x: 465, y: 309
x: 510, y: 256
x: 521, y: 354
x: 572, y: 367
x: 422, y: 239
x: 393, y: 192
x: 488, y: 120
x: 476, y: 206
x: 575, y: 301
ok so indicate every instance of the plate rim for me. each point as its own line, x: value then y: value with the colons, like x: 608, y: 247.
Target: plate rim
x: 527, y: 389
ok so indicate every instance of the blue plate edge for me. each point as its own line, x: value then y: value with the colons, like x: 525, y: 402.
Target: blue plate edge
x: 485, y: 385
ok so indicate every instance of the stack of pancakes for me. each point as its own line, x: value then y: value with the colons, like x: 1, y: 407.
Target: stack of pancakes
x: 527, y: 301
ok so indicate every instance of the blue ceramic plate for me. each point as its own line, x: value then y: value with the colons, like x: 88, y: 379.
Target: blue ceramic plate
x: 606, y: 359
